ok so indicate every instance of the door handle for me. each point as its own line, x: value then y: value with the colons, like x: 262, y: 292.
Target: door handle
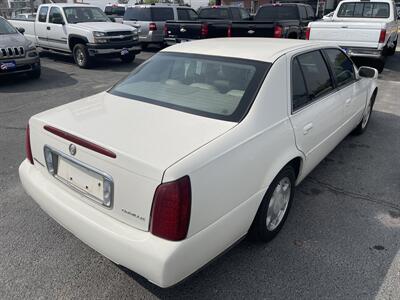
x: 307, y: 128
x: 348, y: 101
x: 48, y: 27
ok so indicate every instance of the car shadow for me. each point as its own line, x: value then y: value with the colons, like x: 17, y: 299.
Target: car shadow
x: 340, y: 239
x: 50, y: 79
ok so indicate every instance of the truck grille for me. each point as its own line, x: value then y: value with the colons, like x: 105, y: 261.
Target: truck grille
x: 114, y: 33
x: 117, y: 36
x: 12, y: 52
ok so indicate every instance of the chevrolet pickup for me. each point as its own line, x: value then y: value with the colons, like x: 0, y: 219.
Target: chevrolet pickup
x: 81, y: 30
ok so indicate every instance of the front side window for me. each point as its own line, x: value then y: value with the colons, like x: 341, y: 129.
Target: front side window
x: 215, y: 87
x: 364, y: 10
x: 244, y: 14
x: 341, y: 65
x: 6, y: 28
x: 85, y: 14
x: 303, y: 12
x: 43, y: 14
x: 310, y: 12
x: 162, y: 14
x: 316, y: 74
x: 55, y: 15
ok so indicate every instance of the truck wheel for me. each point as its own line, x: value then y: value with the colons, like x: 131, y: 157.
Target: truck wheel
x: 35, y: 74
x: 379, y: 64
x: 128, y: 58
x: 275, y: 206
x: 81, y: 56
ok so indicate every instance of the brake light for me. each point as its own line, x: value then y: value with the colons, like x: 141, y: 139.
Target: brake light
x: 79, y: 141
x: 382, y: 36
x: 152, y: 27
x: 28, y: 148
x: 170, y: 214
x: 165, y: 30
x: 204, y: 30
x: 308, y: 31
x: 230, y: 31
x: 278, y: 31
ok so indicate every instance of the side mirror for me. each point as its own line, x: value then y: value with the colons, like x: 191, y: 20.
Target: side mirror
x: 21, y: 30
x: 367, y: 72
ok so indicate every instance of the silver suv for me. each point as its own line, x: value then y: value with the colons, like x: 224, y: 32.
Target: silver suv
x: 17, y: 54
x: 150, y: 20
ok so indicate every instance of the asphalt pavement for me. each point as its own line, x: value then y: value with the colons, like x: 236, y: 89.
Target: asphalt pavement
x: 341, y: 239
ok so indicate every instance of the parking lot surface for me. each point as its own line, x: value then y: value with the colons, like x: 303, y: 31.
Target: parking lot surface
x: 341, y: 240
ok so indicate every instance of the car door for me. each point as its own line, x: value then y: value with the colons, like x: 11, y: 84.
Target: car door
x: 56, y: 30
x: 353, y: 91
x: 41, y: 26
x: 317, y: 109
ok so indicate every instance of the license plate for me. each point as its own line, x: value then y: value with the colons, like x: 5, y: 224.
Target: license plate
x: 86, y: 180
x: 8, y: 65
x: 124, y: 51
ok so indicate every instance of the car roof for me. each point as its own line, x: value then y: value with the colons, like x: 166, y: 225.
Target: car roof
x: 68, y: 5
x: 261, y: 49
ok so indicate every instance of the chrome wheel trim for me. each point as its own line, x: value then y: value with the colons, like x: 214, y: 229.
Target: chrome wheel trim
x: 278, y: 204
x: 80, y: 57
x: 365, y: 119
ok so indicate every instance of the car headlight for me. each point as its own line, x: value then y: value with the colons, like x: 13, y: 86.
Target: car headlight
x: 99, y: 34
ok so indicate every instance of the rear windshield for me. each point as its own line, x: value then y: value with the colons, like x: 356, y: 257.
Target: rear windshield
x: 277, y: 12
x: 149, y: 14
x: 6, y: 28
x: 364, y: 10
x: 114, y: 10
x: 214, y: 13
x: 215, y: 87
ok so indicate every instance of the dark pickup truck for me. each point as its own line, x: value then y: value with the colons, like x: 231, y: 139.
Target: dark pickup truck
x: 285, y: 20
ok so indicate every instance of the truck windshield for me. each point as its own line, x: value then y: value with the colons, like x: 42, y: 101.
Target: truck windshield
x: 216, y: 87
x: 364, y: 10
x: 6, y: 28
x: 277, y: 13
x: 84, y: 14
x: 214, y: 13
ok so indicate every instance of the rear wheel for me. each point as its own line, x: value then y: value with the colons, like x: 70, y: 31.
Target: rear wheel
x: 128, y: 58
x: 81, y: 56
x: 275, y: 206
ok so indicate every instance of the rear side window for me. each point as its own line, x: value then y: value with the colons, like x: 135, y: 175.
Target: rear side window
x: 162, y: 13
x: 214, y: 13
x: 138, y: 14
x: 299, y: 91
x: 341, y: 65
x: 316, y: 74
x: 277, y: 12
x: 364, y: 10
x: 186, y: 14
x: 43, y: 14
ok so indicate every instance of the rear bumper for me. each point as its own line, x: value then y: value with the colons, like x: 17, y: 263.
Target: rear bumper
x: 364, y: 52
x: 24, y: 65
x: 113, y: 48
x: 151, y: 38
x: 173, y: 41
x: 162, y: 262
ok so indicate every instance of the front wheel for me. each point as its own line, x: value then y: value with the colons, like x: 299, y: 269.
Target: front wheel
x: 275, y: 206
x: 362, y: 126
x: 128, y: 58
x: 81, y: 56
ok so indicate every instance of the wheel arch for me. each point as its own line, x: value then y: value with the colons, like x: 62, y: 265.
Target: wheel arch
x: 74, y: 39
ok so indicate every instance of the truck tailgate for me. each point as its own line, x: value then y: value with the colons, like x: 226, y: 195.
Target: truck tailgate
x: 350, y: 34
x: 252, y: 29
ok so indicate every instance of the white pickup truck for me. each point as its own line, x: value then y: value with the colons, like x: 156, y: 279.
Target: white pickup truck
x: 364, y: 28
x: 81, y: 30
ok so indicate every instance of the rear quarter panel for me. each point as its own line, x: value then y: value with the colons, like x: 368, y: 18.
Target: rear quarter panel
x: 234, y: 170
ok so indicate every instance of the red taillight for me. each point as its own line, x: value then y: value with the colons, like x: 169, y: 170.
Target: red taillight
x: 28, y: 149
x: 82, y: 142
x: 170, y: 215
x: 382, y: 36
x: 204, y: 30
x: 278, y: 31
x: 308, y: 31
x: 230, y: 31
x: 152, y: 27
x: 165, y: 30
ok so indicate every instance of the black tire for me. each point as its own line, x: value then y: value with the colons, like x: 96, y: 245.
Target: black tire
x: 392, y: 51
x: 379, y: 64
x: 35, y: 74
x: 362, y: 126
x: 259, y: 230
x: 81, y: 56
x: 128, y: 58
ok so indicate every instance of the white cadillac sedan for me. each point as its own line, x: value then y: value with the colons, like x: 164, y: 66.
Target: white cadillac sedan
x: 197, y: 147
